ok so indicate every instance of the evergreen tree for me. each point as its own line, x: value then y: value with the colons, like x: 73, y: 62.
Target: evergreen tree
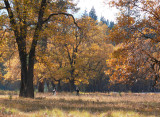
x: 111, y: 25
x: 85, y: 14
x: 92, y: 13
x: 103, y: 20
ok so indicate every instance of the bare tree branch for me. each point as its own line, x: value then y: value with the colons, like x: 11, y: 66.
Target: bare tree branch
x: 12, y: 19
x: 152, y: 58
x: 150, y: 36
x: 2, y: 8
x: 61, y: 13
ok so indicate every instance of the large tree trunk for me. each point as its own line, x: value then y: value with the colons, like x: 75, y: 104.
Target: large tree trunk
x: 59, y: 86
x: 20, y: 31
x: 41, y: 87
x: 72, y: 85
x: 29, y: 85
x: 23, y: 61
x: 26, y: 88
x: 27, y: 65
x: 30, y: 88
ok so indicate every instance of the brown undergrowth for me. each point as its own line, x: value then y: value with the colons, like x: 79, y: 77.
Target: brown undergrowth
x: 85, y: 105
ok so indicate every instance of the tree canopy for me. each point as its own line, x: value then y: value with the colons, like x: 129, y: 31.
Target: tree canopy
x: 136, y: 55
x: 41, y: 42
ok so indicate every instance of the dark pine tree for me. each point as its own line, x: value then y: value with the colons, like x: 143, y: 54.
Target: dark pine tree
x: 111, y: 24
x: 104, y: 21
x: 92, y: 13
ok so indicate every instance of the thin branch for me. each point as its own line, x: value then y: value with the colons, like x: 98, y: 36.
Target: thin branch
x: 152, y: 58
x: 37, y: 29
x: 69, y: 56
x: 2, y: 8
x: 61, y: 13
x: 12, y: 19
x: 148, y: 36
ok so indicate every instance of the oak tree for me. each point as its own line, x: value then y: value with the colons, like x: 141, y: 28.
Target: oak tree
x: 26, y: 18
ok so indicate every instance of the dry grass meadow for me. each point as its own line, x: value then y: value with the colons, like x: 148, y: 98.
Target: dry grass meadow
x: 85, y: 105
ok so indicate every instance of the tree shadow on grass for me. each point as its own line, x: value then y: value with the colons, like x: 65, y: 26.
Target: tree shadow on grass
x: 33, y: 105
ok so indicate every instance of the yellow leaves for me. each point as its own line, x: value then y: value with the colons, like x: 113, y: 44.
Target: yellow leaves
x: 81, y: 80
x: 12, y: 69
x: 156, y: 54
x: 108, y: 72
x: 128, y: 58
x: 119, y: 70
x: 116, y: 35
x: 148, y: 31
x: 95, y: 47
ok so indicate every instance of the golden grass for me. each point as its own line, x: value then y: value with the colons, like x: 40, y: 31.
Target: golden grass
x: 85, y: 105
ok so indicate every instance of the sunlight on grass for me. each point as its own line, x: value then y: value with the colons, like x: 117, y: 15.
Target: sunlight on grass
x: 8, y: 111
x: 120, y: 114
x: 125, y: 114
x: 85, y: 105
x: 48, y: 113
x: 61, y: 113
x: 79, y: 114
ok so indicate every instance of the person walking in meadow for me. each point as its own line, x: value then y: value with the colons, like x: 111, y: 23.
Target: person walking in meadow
x: 77, y: 90
x: 54, y: 91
